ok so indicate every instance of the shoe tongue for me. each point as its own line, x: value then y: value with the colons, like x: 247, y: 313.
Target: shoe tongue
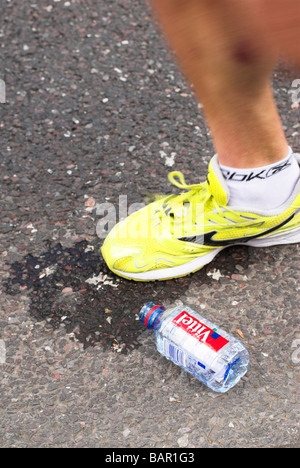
x: 216, y: 183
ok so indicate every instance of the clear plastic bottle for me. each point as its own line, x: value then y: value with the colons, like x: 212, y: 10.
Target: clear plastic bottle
x: 196, y: 345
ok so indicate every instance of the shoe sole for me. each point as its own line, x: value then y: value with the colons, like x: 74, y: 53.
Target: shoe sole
x: 291, y: 237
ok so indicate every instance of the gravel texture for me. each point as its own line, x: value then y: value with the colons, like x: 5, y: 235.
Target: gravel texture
x: 96, y: 108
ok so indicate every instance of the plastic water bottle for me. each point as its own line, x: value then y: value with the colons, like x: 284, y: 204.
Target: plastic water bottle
x: 196, y: 345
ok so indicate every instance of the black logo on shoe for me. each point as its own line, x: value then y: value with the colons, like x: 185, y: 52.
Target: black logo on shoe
x: 208, y: 238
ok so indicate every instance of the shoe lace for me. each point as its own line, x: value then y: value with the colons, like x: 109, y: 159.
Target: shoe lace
x: 195, y: 193
x: 191, y: 203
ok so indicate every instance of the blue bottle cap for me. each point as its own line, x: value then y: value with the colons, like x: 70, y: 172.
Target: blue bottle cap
x: 149, y: 314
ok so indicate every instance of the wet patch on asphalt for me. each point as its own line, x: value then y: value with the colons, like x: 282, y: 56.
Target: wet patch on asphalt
x: 73, y: 286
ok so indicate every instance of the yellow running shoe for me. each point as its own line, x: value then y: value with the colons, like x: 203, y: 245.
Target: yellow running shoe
x: 179, y: 234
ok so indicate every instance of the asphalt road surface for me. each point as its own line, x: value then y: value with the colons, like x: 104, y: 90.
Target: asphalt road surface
x: 96, y: 114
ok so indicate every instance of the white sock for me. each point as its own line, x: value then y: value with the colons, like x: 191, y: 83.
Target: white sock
x: 262, y: 188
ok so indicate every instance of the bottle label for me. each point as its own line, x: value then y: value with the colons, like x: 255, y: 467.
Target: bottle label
x: 175, y: 353
x: 179, y: 356
x: 201, y: 332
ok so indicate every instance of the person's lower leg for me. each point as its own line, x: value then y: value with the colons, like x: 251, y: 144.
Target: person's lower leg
x: 221, y: 49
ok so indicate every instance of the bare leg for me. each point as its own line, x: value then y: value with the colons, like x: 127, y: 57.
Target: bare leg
x: 225, y: 53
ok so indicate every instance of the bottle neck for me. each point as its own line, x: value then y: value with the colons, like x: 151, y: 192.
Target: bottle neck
x: 150, y: 315
x: 157, y: 321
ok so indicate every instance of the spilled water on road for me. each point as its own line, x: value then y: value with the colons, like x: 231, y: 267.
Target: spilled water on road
x: 73, y: 286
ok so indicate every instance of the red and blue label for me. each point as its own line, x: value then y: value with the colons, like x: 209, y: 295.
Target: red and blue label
x: 201, y: 332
